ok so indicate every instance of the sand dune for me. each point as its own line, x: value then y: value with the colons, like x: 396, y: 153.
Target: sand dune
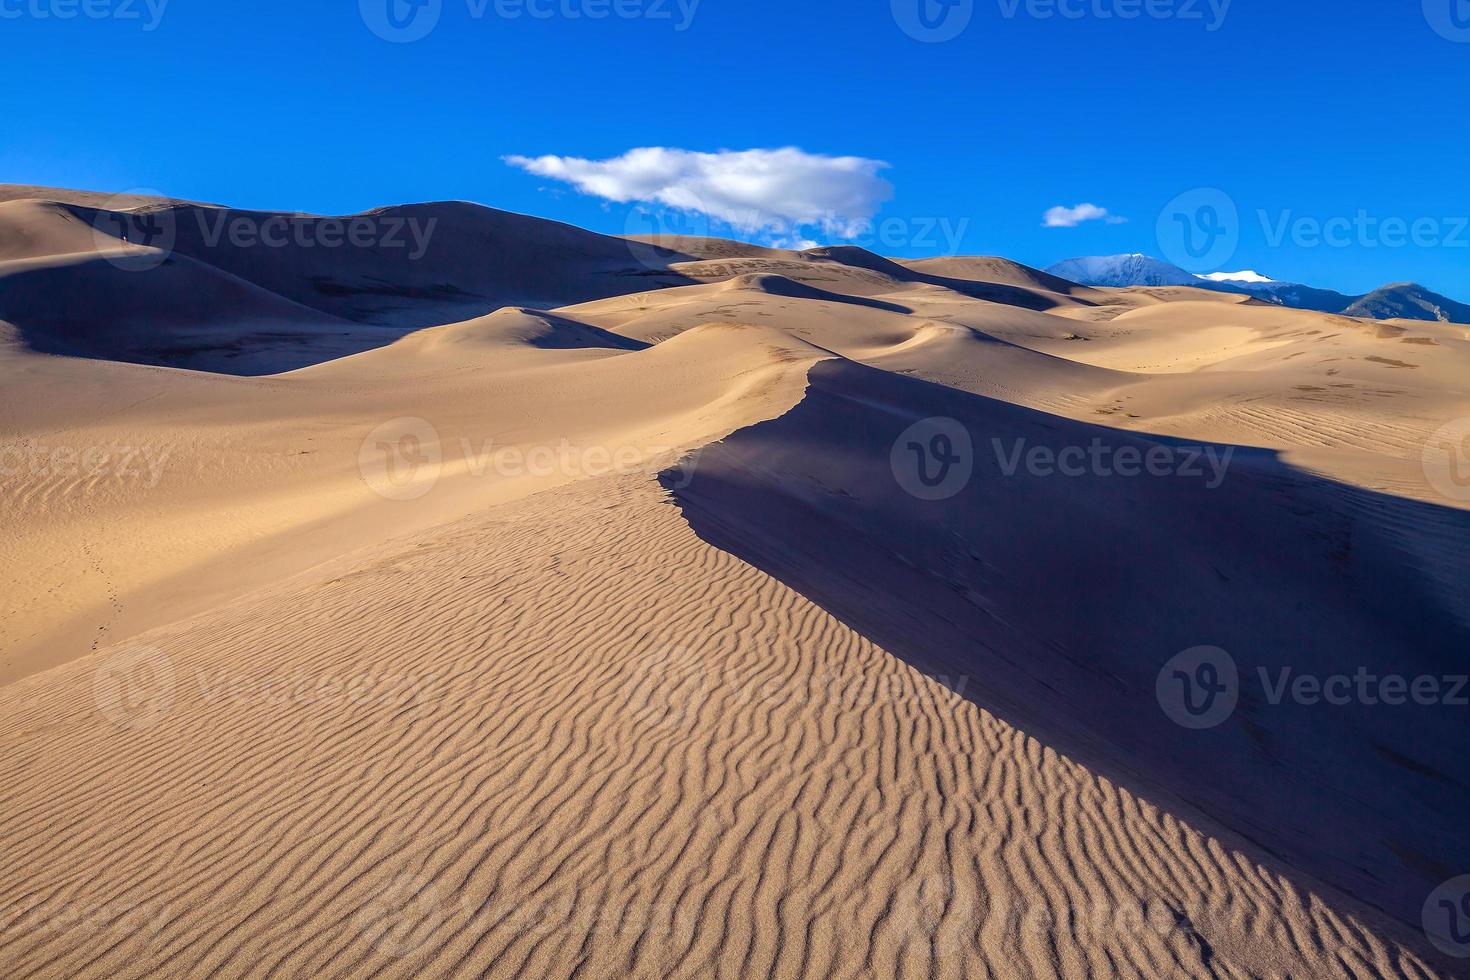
x: 541, y: 608
x: 249, y: 292
x: 998, y: 270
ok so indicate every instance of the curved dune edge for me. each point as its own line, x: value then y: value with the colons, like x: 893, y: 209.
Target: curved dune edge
x: 245, y: 482
x: 586, y: 743
x: 270, y: 720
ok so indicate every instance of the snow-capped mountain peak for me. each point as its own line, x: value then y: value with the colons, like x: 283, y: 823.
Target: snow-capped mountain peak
x: 1399, y: 300
x: 1123, y: 270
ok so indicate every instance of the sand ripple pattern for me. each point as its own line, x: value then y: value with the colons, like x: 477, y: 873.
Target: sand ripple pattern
x: 569, y: 739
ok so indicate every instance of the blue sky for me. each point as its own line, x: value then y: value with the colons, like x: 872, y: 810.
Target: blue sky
x: 1306, y: 110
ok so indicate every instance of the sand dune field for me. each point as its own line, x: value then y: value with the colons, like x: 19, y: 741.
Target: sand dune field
x: 524, y: 601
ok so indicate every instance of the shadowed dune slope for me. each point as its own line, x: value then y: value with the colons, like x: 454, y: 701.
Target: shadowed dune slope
x: 556, y: 604
x: 572, y: 739
x: 249, y: 292
x: 1064, y: 622
x: 986, y: 268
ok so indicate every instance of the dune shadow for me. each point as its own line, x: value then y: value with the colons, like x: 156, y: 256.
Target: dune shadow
x: 771, y: 284
x: 1063, y: 585
x: 183, y: 313
x: 992, y: 292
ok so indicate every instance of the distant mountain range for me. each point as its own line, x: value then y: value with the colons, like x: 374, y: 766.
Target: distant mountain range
x: 1403, y: 300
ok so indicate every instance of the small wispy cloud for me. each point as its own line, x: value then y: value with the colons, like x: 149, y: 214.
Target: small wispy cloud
x: 1065, y: 217
x: 770, y: 191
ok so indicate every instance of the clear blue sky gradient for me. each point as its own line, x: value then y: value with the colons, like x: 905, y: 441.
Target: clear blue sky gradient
x: 1325, y: 109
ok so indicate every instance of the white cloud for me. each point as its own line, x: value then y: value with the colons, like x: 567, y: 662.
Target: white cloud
x: 774, y: 191
x: 1064, y: 217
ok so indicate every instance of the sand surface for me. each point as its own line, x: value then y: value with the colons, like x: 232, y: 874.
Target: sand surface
x: 549, y: 605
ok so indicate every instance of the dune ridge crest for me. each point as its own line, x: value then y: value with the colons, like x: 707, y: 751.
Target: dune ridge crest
x: 563, y: 604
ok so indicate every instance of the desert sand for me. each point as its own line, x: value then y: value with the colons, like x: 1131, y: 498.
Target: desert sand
x: 549, y: 604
